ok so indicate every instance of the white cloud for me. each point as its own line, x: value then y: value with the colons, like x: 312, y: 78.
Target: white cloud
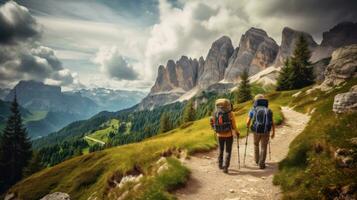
x: 114, y: 65
x: 22, y: 57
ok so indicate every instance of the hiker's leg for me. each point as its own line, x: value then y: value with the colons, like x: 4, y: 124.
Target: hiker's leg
x: 221, y: 150
x: 229, y: 143
x: 256, y: 147
x: 264, y: 146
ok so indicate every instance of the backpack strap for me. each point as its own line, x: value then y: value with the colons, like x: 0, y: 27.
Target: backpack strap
x: 266, y: 119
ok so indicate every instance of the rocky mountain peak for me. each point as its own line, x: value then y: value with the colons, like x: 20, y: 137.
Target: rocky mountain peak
x: 25, y: 88
x: 256, y: 52
x: 37, y: 96
x: 181, y: 74
x: 221, y: 42
x: 342, y: 34
x: 257, y: 31
x: 288, y: 40
x: 216, y: 62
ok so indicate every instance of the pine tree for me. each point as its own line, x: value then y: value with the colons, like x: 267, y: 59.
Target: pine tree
x: 15, y: 149
x: 189, y: 112
x: 165, y: 123
x: 302, y: 72
x: 284, y: 77
x: 297, y: 71
x: 244, y: 92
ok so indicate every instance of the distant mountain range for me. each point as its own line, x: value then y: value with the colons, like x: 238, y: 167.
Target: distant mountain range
x: 111, y: 100
x: 37, y: 96
x: 257, y: 52
x: 48, y: 109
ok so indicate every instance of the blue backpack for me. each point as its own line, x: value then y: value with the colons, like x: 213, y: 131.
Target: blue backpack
x: 262, y: 118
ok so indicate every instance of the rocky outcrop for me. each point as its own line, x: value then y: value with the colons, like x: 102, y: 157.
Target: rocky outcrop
x: 182, y: 74
x: 345, y: 102
x: 343, y: 66
x: 158, y: 99
x: 216, y: 62
x: 342, y: 34
x: 319, y: 68
x: 288, y: 40
x: 220, y: 88
x: 56, y: 196
x: 256, y: 52
x: 266, y: 77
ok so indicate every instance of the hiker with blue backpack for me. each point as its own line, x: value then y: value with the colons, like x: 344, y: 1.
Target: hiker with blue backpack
x: 260, y: 121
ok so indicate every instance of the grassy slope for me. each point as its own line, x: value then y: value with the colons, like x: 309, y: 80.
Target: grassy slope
x: 308, y: 171
x: 84, y: 175
x: 102, y: 134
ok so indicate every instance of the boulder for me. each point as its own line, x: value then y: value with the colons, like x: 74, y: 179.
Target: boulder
x: 256, y: 52
x: 346, y: 101
x: 56, y: 196
x: 216, y: 62
x: 343, y: 66
x: 288, y: 40
x: 344, y: 158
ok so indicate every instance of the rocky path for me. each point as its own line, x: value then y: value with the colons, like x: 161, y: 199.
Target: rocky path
x: 207, y: 182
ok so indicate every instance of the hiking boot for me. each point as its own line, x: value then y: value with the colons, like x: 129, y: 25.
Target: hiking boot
x: 225, y: 170
x: 220, y: 166
x: 262, y: 166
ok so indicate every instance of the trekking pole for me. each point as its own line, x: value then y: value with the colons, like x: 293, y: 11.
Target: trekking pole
x: 269, y: 150
x: 246, y: 144
x: 238, y: 151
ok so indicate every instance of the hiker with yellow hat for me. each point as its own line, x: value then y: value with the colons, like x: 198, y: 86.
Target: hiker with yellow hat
x: 224, y: 124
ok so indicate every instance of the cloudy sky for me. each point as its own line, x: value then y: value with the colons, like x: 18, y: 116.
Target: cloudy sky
x: 120, y: 43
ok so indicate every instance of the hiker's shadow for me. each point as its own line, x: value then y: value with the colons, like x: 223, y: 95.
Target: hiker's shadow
x: 270, y: 169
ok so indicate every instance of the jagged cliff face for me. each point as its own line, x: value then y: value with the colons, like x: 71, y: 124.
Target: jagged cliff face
x: 181, y: 75
x: 256, y: 52
x: 173, y: 81
x: 340, y: 35
x: 216, y: 62
x: 288, y: 40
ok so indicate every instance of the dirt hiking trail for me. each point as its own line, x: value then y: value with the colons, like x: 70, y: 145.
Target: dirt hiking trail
x: 207, y: 182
